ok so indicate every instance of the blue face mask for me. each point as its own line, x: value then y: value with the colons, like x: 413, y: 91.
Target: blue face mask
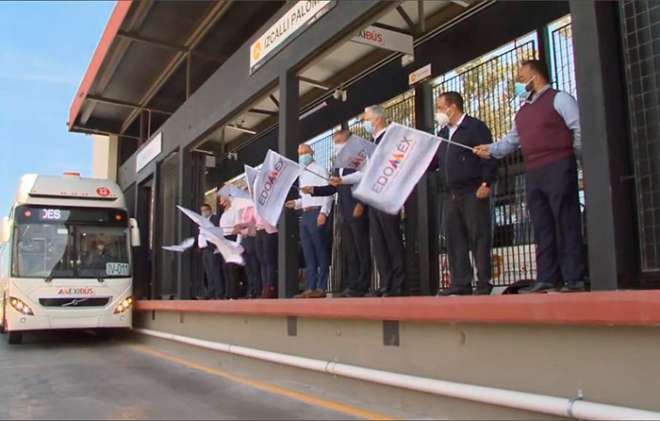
x: 368, y: 127
x: 305, y: 159
x: 521, y: 89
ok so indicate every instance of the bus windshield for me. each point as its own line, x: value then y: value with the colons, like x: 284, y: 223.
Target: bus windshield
x: 70, y: 247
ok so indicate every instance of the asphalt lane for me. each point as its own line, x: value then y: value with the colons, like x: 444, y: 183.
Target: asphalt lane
x: 76, y: 375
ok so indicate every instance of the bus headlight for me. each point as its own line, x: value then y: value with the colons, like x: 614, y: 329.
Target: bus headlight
x: 124, y: 305
x: 20, y: 306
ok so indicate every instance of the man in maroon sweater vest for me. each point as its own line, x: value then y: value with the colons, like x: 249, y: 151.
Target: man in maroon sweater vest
x: 547, y: 129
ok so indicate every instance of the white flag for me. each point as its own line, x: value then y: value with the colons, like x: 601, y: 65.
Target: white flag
x: 231, y: 251
x: 272, y: 185
x: 195, y: 217
x: 231, y: 191
x: 395, y: 167
x: 181, y: 247
x: 250, y: 177
x: 355, y: 153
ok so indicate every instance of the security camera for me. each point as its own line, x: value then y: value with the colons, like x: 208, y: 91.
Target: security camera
x: 340, y: 95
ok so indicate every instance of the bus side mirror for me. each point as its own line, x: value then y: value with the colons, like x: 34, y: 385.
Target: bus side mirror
x: 135, y: 232
x: 5, y: 230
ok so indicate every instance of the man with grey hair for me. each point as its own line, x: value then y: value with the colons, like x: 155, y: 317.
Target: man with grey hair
x: 385, y: 229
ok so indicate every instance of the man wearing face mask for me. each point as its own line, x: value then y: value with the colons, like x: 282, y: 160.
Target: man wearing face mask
x: 468, y: 181
x: 385, y: 229
x: 100, y: 257
x: 212, y: 262
x: 354, y: 230
x: 313, y: 224
x: 547, y: 129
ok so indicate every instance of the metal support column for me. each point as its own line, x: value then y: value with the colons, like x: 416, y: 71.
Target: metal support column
x: 426, y: 246
x: 184, y: 226
x: 154, y: 233
x: 607, y: 166
x: 288, y: 139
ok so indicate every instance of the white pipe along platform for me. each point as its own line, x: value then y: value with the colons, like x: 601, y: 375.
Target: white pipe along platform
x: 551, y: 405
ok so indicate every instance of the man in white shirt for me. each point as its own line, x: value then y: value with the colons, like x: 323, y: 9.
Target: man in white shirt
x: 313, y: 224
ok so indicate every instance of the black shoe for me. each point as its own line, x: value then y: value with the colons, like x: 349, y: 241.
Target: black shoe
x: 455, y: 291
x: 577, y: 286
x: 484, y: 289
x: 380, y: 292
x: 392, y: 294
x: 345, y: 293
x: 538, y: 287
x: 351, y: 293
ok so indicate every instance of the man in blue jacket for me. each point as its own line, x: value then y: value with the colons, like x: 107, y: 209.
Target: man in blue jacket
x: 467, y: 206
x: 354, y: 228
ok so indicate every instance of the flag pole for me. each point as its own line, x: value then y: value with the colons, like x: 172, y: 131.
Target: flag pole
x: 315, y: 173
x: 460, y: 145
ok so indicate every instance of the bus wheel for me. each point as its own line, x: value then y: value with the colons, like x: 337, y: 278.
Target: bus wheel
x: 15, y: 338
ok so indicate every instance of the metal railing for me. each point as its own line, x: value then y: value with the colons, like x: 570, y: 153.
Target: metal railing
x: 563, y: 71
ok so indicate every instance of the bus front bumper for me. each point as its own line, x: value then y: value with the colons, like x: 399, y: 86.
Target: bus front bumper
x: 68, y: 319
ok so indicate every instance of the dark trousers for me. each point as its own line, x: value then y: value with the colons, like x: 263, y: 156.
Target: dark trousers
x: 315, y: 248
x: 214, y: 275
x: 357, y: 252
x: 387, y: 240
x: 252, y: 267
x: 267, y: 255
x: 232, y: 273
x: 468, y: 228
x: 554, y: 207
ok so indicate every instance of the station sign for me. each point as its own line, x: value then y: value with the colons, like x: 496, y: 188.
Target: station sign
x: 387, y: 39
x: 149, y: 152
x: 295, y: 21
x: 419, y: 75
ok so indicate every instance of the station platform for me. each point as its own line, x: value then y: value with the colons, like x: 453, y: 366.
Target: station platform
x: 565, y: 346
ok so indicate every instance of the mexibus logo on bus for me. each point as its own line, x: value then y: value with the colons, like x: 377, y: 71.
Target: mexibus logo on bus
x: 75, y: 291
x: 271, y: 178
x: 393, y: 165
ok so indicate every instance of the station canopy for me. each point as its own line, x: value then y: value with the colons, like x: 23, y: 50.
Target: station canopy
x: 154, y: 54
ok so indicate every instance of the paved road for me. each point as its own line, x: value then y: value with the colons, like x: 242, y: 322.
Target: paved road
x: 79, y: 376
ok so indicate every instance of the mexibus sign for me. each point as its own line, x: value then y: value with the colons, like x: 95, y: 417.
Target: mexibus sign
x: 386, y: 39
x: 301, y: 15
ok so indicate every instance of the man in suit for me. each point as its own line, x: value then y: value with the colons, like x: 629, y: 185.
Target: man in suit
x: 547, y: 130
x: 467, y: 206
x: 385, y: 229
x: 354, y: 230
x: 211, y: 261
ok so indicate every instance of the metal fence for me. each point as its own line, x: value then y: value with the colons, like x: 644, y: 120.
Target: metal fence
x: 487, y: 87
x: 563, y: 69
x: 640, y: 25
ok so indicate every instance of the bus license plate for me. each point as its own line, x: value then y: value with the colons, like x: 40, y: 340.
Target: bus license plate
x: 116, y: 269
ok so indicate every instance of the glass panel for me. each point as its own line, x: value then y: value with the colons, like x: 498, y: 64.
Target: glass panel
x: 103, y: 252
x: 43, y: 250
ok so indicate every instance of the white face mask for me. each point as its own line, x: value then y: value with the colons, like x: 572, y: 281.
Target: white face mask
x: 442, y: 120
x: 339, y: 147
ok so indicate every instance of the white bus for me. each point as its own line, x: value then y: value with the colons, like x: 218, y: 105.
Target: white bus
x: 65, y: 256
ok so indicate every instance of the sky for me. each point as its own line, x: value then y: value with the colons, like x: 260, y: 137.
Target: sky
x: 45, y: 48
